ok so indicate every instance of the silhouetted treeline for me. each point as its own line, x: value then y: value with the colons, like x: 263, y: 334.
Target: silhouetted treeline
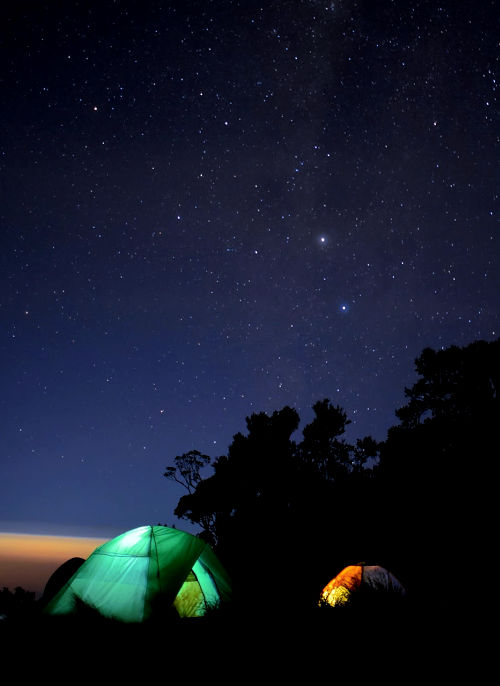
x: 286, y: 516
x: 16, y: 603
x: 437, y: 473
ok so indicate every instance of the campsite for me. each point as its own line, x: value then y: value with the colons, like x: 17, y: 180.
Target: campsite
x: 163, y: 593
x: 305, y: 555
x: 241, y: 642
x: 249, y: 350
x: 275, y: 639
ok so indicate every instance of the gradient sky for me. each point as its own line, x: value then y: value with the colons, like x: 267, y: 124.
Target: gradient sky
x: 216, y: 208
x: 29, y: 560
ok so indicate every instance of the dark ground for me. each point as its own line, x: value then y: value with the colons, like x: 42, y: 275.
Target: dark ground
x: 399, y: 645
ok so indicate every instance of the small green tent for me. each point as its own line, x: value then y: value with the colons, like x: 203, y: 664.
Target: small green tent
x: 143, y: 570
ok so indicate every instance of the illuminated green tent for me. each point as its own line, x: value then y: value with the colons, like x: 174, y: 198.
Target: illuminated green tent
x: 141, y: 572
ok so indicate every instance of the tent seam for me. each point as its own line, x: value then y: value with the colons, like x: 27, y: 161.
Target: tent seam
x: 207, y: 570
x: 149, y: 567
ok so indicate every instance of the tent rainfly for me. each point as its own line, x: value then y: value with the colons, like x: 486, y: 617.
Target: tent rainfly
x: 360, y: 578
x: 144, y: 570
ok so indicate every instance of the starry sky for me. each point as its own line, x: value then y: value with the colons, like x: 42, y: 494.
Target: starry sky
x: 213, y: 208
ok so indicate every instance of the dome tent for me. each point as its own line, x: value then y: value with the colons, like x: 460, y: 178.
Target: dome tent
x: 143, y: 570
x: 361, y: 580
x: 60, y: 577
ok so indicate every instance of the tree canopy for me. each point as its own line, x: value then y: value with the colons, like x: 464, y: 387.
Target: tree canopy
x: 436, y: 466
x: 321, y: 502
x: 270, y: 491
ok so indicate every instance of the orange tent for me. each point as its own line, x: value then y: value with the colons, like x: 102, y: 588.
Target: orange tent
x: 356, y: 578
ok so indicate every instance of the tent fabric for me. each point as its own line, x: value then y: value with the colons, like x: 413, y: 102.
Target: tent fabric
x: 60, y: 577
x: 145, y: 570
x: 355, y: 578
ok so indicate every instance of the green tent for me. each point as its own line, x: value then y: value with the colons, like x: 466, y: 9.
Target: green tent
x: 143, y: 571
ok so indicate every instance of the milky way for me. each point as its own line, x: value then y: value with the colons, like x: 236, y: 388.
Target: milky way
x: 211, y: 209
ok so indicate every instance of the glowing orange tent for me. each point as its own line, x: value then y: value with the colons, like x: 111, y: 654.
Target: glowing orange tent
x: 360, y: 579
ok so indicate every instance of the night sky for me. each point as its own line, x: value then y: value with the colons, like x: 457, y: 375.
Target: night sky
x: 215, y: 208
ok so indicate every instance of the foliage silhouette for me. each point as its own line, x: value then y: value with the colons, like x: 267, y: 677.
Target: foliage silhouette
x: 17, y: 603
x: 276, y: 497
x: 436, y: 466
x: 285, y: 515
x: 186, y: 471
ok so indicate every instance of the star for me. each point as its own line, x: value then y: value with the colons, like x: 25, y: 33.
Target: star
x: 232, y: 203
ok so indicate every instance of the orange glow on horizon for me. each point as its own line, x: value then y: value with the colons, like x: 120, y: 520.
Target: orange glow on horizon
x: 28, y: 560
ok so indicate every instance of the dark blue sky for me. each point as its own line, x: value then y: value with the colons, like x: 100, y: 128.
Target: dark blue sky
x: 211, y: 209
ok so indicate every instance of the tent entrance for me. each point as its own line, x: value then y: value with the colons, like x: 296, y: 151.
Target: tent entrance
x: 198, y: 592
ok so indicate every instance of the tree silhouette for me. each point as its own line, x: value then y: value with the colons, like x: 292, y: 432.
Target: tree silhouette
x: 272, y: 495
x: 306, y: 509
x: 247, y: 480
x: 458, y: 384
x: 186, y: 471
x: 16, y: 604
x: 321, y: 448
x: 436, y: 467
